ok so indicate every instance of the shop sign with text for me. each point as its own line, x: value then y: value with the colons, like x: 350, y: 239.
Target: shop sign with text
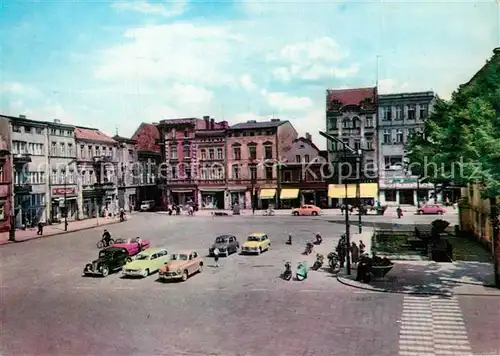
x: 61, y: 191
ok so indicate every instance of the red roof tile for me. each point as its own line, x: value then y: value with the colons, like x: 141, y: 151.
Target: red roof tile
x: 146, y: 136
x: 350, y: 96
x: 82, y: 133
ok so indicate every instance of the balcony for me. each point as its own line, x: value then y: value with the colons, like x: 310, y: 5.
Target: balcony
x: 102, y: 159
x: 21, y: 158
x: 180, y: 181
x: 106, y: 185
x: 21, y: 189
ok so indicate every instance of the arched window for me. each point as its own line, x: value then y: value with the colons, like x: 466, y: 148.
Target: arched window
x: 346, y: 123
x: 203, y: 154
x: 356, y: 123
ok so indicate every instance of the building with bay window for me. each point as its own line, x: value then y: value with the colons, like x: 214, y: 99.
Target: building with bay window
x: 399, y: 116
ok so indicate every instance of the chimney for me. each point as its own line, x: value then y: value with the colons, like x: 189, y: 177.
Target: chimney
x: 207, y: 122
x: 212, y: 124
x: 251, y: 121
x: 308, y: 137
x: 275, y: 120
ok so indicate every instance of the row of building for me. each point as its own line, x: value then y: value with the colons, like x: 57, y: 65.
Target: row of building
x: 50, y: 169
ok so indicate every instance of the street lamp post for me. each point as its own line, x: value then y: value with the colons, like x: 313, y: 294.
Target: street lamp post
x: 347, y: 224
x: 358, y: 189
x: 65, y: 194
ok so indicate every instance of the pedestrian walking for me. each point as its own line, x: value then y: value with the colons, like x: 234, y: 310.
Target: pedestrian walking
x: 139, y: 244
x: 40, y: 228
x: 362, y: 247
x: 354, y: 253
x: 216, y: 256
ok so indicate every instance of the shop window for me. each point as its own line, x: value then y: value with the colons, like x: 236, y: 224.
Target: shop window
x: 390, y: 195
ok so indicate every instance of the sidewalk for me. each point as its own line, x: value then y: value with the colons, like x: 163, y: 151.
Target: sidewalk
x: 431, y: 278
x: 58, y: 229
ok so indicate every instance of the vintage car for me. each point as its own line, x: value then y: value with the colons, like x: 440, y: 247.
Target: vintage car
x: 181, y: 265
x: 306, y: 210
x: 256, y: 243
x: 226, y: 244
x: 131, y: 245
x: 110, y: 259
x: 431, y: 209
x: 146, y: 262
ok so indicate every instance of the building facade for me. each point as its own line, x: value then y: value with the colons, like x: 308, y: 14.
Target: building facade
x: 253, y: 151
x: 97, y: 167
x: 351, y: 117
x: 304, y: 172
x: 399, y: 116
x: 148, y: 150
x: 127, y: 182
x: 30, y: 171
x: 210, y: 143
x: 62, y: 172
x: 6, y: 189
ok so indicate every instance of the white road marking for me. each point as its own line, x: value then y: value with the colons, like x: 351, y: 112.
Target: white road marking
x: 432, y: 326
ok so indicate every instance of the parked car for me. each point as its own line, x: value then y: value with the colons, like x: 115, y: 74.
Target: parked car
x: 306, y: 210
x: 431, y: 209
x: 181, y: 266
x: 131, y: 245
x: 146, y: 262
x: 147, y: 205
x: 110, y: 259
x: 226, y: 244
x: 256, y: 243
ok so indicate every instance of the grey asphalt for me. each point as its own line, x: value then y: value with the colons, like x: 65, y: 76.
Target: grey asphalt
x: 241, y: 308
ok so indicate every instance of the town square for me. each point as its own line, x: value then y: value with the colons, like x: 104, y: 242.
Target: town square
x: 250, y: 178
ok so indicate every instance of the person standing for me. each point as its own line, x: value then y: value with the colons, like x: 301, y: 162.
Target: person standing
x: 354, y: 253
x: 216, y: 256
x: 362, y: 247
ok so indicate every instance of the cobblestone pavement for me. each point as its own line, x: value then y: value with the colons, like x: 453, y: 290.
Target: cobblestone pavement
x: 241, y: 308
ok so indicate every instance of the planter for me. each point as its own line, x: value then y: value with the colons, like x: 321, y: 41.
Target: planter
x: 380, y: 271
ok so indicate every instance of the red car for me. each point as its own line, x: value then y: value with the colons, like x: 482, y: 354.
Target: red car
x: 131, y: 245
x: 431, y: 209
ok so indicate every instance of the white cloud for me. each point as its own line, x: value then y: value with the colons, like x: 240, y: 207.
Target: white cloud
x: 18, y: 89
x: 189, y: 94
x: 285, y: 102
x: 165, y: 8
x: 311, y: 60
x: 178, y: 52
x: 247, y: 82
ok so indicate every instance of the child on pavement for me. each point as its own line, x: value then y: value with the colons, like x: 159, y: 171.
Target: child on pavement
x: 216, y: 256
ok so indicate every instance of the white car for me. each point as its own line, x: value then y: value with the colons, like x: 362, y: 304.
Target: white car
x: 147, y: 205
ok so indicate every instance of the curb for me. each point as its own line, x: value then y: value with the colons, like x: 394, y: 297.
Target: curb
x: 2, y: 244
x: 345, y: 282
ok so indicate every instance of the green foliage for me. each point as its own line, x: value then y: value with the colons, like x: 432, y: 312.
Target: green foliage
x: 461, y: 139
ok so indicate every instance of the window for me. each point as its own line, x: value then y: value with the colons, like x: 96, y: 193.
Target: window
x: 253, y: 172
x: 174, y: 172
x: 186, y: 134
x: 387, y: 137
x: 370, y: 165
x: 70, y: 150
x: 203, y: 154
x: 269, y: 172
x: 356, y: 123
x: 16, y: 128
x: 39, y: 130
x: 412, y: 111
x: 173, y: 152
x: 63, y: 149
x: 236, y: 171
x: 187, y: 172
x: 346, y: 142
x: 268, y: 152
x: 393, y: 162
x: 236, y: 153
x: 306, y: 158
x: 28, y: 129
x: 387, y: 112
x: 110, y: 151
x: 54, y: 149
x: 71, y: 177
x: 98, y: 151
x: 369, y: 121
x: 62, y: 176
x: 53, y: 132
x: 369, y: 145
x: 287, y: 176
x: 423, y: 111
x: 219, y: 173
x: 186, y: 151
x: 82, y: 151
x: 298, y: 159
x: 211, y: 154
x: 252, y: 151
x: 54, y: 177
x: 19, y: 147
x: 357, y: 144
x: 399, y: 113
x: 399, y: 136
x: 333, y: 123
x: 346, y: 124
x: 219, y: 153
x: 410, y: 132
x: 2, y: 212
x: 334, y: 146
x: 90, y: 153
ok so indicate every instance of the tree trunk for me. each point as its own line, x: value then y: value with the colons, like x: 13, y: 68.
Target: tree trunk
x: 495, y: 239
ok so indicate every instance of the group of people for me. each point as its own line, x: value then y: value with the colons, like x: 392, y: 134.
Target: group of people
x: 356, y: 251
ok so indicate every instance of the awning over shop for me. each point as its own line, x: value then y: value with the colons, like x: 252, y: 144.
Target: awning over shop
x: 289, y: 193
x: 267, y: 193
x: 367, y: 190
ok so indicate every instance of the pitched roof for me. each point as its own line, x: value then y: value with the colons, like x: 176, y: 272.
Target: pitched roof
x: 89, y: 134
x: 350, y: 96
x: 146, y: 136
x: 257, y: 124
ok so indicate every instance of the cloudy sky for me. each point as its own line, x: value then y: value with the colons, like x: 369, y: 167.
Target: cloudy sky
x: 113, y: 65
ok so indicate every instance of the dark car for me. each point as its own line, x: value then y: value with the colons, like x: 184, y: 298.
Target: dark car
x: 226, y: 244
x: 110, y: 259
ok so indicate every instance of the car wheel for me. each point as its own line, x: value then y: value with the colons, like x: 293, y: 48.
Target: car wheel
x: 296, y: 213
x: 260, y: 251
x: 420, y: 212
x: 200, y: 268
x: 100, y: 244
x: 440, y: 213
x: 105, y: 271
x: 145, y: 273
x: 314, y: 213
x: 128, y: 260
x: 184, y: 276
